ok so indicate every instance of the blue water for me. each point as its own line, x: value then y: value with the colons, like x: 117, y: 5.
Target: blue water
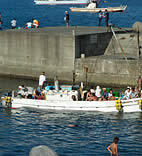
x: 22, y: 129
x: 25, y: 10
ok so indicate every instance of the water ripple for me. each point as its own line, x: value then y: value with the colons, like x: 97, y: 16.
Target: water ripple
x: 21, y: 130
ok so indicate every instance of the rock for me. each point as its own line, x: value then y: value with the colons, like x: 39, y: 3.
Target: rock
x: 42, y: 151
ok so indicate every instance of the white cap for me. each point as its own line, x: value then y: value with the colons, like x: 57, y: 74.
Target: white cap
x: 20, y: 87
x: 128, y: 87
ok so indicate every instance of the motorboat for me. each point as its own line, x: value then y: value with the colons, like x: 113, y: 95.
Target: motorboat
x: 64, y: 101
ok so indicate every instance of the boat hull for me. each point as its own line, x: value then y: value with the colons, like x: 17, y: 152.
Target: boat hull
x: 102, y: 106
x: 96, y: 10
x: 54, y: 2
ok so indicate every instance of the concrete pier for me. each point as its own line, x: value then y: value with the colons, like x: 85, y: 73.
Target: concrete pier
x: 61, y: 51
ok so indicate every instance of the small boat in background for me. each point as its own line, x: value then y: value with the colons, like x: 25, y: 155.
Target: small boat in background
x: 56, y: 2
x: 121, y: 8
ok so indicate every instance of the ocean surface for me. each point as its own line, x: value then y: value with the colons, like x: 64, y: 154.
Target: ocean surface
x: 25, y: 10
x: 20, y: 130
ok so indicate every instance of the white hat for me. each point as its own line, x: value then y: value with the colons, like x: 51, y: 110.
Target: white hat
x: 20, y: 87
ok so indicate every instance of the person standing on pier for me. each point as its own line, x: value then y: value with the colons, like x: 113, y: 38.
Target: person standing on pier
x: 67, y: 18
x: 106, y: 17
x: 0, y: 25
x: 13, y: 23
x: 35, y: 23
x: 101, y: 15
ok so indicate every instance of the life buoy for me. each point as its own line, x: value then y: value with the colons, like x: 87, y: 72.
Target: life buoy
x: 8, y: 101
x: 118, y: 104
x: 140, y: 104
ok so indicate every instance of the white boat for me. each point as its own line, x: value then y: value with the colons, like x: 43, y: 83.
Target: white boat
x: 63, y: 101
x: 54, y: 2
x: 96, y: 10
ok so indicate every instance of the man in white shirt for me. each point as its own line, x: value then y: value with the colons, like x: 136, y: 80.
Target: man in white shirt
x: 29, y: 24
x: 42, y: 80
x: 127, y: 93
x: 13, y: 23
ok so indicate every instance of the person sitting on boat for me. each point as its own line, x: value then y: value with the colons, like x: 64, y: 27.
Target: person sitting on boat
x: 42, y: 94
x: 36, y: 94
x: 110, y: 95
x: 20, y: 92
x: 30, y: 92
x: 92, y: 4
x: 92, y: 90
x: 133, y: 94
x: 103, y: 98
x: 92, y: 97
x: 89, y: 95
x: 127, y: 93
x: 104, y: 95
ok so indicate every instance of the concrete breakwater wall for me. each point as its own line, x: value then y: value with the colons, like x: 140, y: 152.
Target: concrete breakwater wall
x: 58, y: 51
x: 29, y: 52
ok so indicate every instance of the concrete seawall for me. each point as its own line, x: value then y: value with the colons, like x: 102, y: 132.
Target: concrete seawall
x: 28, y: 52
x: 58, y: 50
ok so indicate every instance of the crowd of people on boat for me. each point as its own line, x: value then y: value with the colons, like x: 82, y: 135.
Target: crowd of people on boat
x: 98, y: 94
x: 104, y: 95
x: 30, y: 92
x: 131, y: 92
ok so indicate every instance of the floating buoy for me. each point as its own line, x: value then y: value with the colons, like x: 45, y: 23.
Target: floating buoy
x: 140, y: 104
x: 8, y: 101
x: 118, y: 104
